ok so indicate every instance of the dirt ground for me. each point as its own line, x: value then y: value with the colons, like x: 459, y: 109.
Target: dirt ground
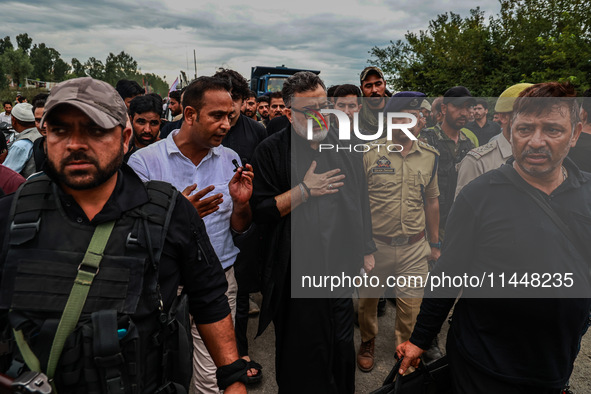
x: 262, y: 351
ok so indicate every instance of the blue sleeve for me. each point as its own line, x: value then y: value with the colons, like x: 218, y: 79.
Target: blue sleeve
x: 18, y: 155
x: 137, y: 163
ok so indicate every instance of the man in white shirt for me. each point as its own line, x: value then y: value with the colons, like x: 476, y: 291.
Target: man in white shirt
x: 192, y: 158
x: 5, y: 116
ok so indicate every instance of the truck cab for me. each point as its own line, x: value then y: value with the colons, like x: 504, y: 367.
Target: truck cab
x: 265, y: 80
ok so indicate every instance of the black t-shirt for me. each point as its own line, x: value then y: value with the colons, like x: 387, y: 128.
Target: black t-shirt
x: 204, y: 282
x: 277, y: 124
x: 484, y: 134
x: 494, y: 227
x: 169, y: 127
x: 244, y: 137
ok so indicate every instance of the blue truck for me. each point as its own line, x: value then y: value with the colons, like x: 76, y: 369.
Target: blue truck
x: 265, y: 80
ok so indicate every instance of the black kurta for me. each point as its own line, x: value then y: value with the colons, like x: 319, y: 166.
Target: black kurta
x: 327, y: 235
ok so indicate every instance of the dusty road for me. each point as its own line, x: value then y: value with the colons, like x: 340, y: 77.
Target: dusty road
x: 262, y: 351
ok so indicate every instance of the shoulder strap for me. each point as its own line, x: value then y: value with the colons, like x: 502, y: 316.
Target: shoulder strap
x: 510, y: 174
x: 87, y: 270
x: 155, y: 188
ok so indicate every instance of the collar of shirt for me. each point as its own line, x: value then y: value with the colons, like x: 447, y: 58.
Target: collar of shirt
x: 129, y: 193
x: 574, y: 180
x: 172, y: 148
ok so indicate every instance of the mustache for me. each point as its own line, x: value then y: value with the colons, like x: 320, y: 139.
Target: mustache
x: 78, y: 156
x: 537, y: 152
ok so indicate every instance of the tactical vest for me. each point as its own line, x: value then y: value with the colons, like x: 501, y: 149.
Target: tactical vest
x: 123, y: 340
x: 446, y: 172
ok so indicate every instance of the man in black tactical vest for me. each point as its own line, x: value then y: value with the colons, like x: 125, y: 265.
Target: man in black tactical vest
x: 117, y: 327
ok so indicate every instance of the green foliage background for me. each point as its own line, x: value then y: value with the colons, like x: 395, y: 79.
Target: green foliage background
x: 40, y: 62
x: 528, y: 41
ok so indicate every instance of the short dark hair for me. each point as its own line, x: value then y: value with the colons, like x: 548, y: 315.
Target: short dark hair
x: 330, y: 91
x: 275, y: 95
x: 263, y: 98
x: 39, y: 101
x: 143, y: 104
x: 239, y: 86
x: 347, y: 90
x: 193, y: 96
x: 128, y: 88
x: 561, y: 93
x: 250, y: 94
x: 21, y: 99
x: 175, y: 94
x: 482, y: 102
x: 302, y: 81
x: 6, y: 102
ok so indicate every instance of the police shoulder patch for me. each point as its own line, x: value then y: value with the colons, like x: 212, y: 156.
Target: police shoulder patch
x: 482, y: 150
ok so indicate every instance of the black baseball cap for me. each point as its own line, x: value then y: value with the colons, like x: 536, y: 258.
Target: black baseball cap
x: 458, y: 95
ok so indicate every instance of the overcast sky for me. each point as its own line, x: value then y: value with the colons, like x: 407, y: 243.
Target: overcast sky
x: 161, y: 35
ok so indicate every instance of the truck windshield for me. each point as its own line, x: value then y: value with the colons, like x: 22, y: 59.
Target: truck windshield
x: 275, y: 84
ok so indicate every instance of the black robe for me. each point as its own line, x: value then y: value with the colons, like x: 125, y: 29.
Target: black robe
x: 327, y: 235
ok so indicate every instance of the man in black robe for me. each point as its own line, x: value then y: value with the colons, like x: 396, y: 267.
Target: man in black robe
x: 314, y: 206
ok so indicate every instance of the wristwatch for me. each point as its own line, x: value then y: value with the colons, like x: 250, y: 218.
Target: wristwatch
x: 435, y: 244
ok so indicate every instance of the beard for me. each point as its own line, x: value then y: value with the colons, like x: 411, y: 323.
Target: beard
x: 151, y: 138
x: 317, y: 135
x: 84, y: 179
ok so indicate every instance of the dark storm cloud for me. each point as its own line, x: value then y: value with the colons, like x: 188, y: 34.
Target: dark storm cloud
x: 161, y: 36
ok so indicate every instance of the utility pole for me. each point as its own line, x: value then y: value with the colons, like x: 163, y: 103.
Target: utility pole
x: 195, y: 61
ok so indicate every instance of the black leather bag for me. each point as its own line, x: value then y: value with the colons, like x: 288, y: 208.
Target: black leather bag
x: 433, y: 378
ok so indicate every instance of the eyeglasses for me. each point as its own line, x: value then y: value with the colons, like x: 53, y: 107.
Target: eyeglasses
x: 142, y: 122
x: 309, y: 112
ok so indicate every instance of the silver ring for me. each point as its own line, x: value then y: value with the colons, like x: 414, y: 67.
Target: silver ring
x: 330, y: 186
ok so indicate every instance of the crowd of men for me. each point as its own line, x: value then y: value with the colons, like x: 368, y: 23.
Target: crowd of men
x: 234, y: 195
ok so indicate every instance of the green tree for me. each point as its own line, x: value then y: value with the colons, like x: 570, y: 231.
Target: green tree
x: 95, y: 68
x: 24, y: 42
x: 60, y: 70
x: 5, y: 44
x: 47, y: 63
x: 121, y: 66
x: 17, y: 64
x: 78, y: 69
x: 528, y: 41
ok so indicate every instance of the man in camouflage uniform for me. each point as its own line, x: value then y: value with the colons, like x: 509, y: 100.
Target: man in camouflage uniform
x: 452, y: 144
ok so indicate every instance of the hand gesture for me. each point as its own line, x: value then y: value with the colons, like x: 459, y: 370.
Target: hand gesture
x: 203, y: 206
x: 324, y: 183
x: 411, y: 354
x: 240, y: 185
